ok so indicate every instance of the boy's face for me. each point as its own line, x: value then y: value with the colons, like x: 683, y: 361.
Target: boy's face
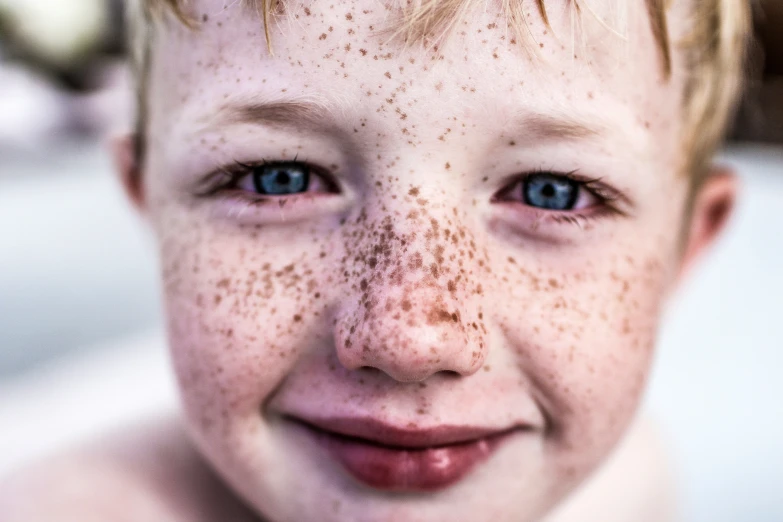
x: 467, y: 244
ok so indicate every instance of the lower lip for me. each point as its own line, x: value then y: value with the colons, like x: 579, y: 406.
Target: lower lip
x: 409, y: 470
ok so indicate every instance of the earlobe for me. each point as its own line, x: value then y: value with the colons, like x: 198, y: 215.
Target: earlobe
x: 124, y: 153
x: 713, y: 205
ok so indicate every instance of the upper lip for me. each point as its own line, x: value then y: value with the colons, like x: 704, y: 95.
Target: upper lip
x: 378, y: 432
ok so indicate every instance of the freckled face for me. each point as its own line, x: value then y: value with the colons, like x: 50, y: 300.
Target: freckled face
x: 464, y: 235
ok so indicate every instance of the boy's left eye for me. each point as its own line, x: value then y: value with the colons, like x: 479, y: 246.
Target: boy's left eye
x: 553, y: 192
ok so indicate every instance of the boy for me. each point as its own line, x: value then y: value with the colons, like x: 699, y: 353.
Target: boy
x: 414, y: 256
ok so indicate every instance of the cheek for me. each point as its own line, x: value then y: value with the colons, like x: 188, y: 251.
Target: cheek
x: 584, y: 332
x: 238, y: 315
x: 609, y: 356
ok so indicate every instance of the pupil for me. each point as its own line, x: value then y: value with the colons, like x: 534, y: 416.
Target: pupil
x: 283, y: 178
x: 548, y: 190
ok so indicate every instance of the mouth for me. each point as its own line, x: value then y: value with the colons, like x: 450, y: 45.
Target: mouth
x: 391, y: 458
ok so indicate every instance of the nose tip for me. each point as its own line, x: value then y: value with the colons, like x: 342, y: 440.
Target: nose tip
x: 409, y: 341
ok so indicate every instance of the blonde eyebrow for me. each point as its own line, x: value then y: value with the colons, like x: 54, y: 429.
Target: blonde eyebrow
x: 307, y: 114
x: 288, y: 114
x: 545, y: 127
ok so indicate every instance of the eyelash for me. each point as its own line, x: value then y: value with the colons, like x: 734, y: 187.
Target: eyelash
x: 608, y: 198
x: 226, y: 178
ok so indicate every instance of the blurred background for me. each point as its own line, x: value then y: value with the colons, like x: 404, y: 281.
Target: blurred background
x: 80, y: 319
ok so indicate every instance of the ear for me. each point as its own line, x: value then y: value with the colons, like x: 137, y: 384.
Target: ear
x: 124, y: 151
x: 713, y: 205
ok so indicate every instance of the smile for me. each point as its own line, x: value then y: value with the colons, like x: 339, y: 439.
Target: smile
x: 395, y: 459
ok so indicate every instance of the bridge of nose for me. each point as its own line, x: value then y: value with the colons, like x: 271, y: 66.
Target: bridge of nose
x: 412, y: 305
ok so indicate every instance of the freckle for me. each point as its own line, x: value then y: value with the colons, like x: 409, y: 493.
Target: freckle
x: 297, y: 318
x: 387, y: 74
x: 205, y: 18
x: 322, y: 37
x: 348, y: 16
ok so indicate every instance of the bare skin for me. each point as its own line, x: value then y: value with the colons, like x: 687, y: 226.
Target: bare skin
x: 419, y: 280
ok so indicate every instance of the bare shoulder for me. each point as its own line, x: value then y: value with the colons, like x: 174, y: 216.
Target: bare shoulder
x: 150, y: 473
x: 636, y: 483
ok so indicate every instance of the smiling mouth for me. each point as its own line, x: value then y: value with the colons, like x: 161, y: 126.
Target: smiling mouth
x: 395, y: 459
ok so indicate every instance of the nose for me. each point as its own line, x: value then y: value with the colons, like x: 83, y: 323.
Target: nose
x: 412, y: 306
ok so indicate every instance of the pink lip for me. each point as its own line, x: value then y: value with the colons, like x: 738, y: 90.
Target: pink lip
x: 390, y: 458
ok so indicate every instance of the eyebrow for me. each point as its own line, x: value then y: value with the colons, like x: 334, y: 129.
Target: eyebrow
x: 540, y: 126
x: 286, y: 115
x: 304, y: 114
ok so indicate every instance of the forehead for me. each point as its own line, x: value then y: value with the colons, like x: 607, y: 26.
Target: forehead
x: 601, y: 65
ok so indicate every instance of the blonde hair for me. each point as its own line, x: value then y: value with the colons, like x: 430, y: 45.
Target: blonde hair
x: 714, y: 52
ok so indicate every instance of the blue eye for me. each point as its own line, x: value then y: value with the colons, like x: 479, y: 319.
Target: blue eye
x: 550, y: 192
x: 281, y: 179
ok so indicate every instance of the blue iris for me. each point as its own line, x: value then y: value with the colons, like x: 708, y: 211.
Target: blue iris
x: 281, y: 179
x: 550, y: 192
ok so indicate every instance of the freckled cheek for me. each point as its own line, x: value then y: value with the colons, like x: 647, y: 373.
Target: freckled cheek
x: 235, y: 322
x: 587, y: 335
x: 607, y: 366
